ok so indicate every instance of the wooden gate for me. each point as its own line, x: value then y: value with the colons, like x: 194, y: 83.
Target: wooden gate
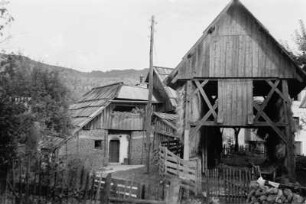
x: 228, y: 184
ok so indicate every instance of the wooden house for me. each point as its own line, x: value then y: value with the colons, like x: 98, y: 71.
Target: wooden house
x: 108, y: 125
x: 234, y: 62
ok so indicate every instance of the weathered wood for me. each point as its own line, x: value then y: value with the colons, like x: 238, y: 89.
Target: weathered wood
x: 272, y: 124
x: 187, y: 120
x: 235, y: 98
x: 290, y: 154
x: 149, y: 104
x: 173, y: 195
x: 267, y: 99
x: 131, y: 200
x: 105, y: 198
x: 201, y: 122
x: 237, y: 47
x: 285, y: 98
x: 208, y: 103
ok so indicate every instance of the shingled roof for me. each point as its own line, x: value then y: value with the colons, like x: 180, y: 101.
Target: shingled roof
x: 94, y: 102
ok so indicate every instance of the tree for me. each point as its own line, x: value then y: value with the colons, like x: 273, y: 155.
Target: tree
x: 300, y: 40
x: 49, y: 102
x: 5, y: 20
x: 34, y: 105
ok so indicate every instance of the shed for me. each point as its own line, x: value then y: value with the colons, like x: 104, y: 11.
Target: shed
x: 235, y: 60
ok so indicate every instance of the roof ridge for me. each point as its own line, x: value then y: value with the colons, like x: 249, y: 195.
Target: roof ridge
x: 163, y: 67
x: 112, y: 84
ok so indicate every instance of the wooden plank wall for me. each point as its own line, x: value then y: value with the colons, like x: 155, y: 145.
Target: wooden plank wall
x: 237, y: 47
x: 124, y: 121
x: 235, y: 102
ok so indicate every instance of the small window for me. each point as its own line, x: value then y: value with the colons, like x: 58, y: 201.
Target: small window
x: 124, y: 108
x: 98, y: 144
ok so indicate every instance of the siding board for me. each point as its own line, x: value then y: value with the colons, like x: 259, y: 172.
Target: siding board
x: 235, y: 101
x: 236, y: 48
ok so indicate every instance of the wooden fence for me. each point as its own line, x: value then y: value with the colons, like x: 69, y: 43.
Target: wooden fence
x: 77, y: 186
x: 228, y: 150
x: 170, y: 165
x: 175, y: 146
x: 228, y: 184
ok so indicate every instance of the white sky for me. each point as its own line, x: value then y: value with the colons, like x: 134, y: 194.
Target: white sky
x: 114, y: 34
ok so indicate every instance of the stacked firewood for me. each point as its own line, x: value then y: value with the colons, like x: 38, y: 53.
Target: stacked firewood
x: 263, y: 194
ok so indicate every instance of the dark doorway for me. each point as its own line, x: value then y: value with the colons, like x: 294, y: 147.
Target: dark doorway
x: 114, y: 147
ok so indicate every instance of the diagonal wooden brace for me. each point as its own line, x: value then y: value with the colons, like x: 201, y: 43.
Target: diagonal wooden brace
x: 279, y: 92
x: 205, y: 97
x: 267, y: 99
x: 200, y: 123
x: 271, y: 123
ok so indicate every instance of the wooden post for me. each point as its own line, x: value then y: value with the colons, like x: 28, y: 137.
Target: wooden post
x: 105, y: 197
x: 236, y: 131
x: 173, y: 194
x: 290, y: 155
x: 149, y: 105
x: 187, y: 118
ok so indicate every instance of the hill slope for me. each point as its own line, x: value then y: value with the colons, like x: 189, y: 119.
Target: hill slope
x: 80, y: 82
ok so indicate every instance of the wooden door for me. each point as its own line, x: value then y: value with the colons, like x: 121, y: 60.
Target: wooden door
x: 114, y: 147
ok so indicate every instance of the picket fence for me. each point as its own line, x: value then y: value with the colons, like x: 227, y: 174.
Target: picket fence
x: 78, y: 186
x: 228, y: 184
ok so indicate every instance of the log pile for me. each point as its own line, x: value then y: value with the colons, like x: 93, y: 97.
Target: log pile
x: 264, y: 194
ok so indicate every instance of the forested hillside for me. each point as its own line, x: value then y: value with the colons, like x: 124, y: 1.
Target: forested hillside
x: 81, y: 82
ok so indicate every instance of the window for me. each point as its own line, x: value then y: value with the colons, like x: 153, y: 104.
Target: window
x: 98, y: 144
x: 124, y: 108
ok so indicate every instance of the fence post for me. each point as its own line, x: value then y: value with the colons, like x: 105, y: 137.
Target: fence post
x: 199, y: 176
x: 99, y: 188
x: 106, y: 195
x: 173, y: 194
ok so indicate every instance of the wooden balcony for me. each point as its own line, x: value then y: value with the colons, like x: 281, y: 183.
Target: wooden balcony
x: 126, y: 121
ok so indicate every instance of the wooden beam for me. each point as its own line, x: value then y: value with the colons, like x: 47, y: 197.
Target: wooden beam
x: 201, y: 122
x: 205, y: 97
x: 279, y: 92
x: 290, y: 155
x: 236, y: 130
x: 187, y: 119
x: 149, y: 110
x: 271, y: 123
x: 266, y: 101
x: 258, y: 124
x: 202, y: 85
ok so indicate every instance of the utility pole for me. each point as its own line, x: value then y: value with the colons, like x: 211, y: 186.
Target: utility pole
x: 149, y: 104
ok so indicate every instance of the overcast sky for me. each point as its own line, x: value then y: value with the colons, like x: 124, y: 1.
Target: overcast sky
x: 114, y: 34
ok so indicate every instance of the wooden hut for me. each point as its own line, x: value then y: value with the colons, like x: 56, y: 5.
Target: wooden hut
x: 237, y: 76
